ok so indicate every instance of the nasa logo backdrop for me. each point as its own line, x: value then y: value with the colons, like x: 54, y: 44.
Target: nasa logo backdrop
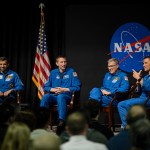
x: 130, y: 44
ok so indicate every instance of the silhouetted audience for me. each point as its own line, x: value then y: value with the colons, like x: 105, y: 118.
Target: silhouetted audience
x: 42, y: 138
x: 46, y: 141
x: 140, y: 134
x: 27, y: 117
x: 7, y: 112
x: 42, y: 115
x: 17, y: 137
x: 92, y: 134
x: 42, y: 122
x: 123, y: 140
x: 77, y: 128
x: 92, y: 107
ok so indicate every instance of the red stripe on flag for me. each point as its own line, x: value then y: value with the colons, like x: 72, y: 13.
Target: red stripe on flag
x: 42, y: 65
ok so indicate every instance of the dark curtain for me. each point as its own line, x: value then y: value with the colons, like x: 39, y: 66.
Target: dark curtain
x: 19, y: 34
x: 19, y: 27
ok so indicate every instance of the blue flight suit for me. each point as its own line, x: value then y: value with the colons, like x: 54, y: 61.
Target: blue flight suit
x: 117, y: 82
x: 10, y: 80
x: 67, y: 79
x: 125, y: 105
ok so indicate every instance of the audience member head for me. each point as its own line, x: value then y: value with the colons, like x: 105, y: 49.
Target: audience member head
x: 42, y: 117
x: 140, y: 132
x: 46, y: 141
x: 26, y: 117
x: 134, y: 114
x: 76, y: 123
x: 92, y: 106
x: 17, y: 137
x: 91, y: 109
x: 7, y: 113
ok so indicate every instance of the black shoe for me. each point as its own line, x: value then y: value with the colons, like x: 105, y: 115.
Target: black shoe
x: 61, y: 122
x: 60, y: 127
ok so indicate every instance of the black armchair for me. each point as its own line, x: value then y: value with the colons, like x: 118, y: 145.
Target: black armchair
x: 111, y: 109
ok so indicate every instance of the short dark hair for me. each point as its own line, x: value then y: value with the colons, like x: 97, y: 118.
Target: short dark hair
x: 3, y: 59
x: 42, y: 115
x: 147, y: 57
x: 60, y: 56
x: 76, y: 123
x: 26, y: 117
x: 92, y: 106
x: 140, y: 133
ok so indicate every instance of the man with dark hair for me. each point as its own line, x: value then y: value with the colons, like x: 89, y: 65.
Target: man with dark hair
x: 76, y: 123
x: 10, y: 82
x: 77, y: 127
x: 123, y: 140
x: 62, y: 82
x: 27, y: 117
x: 123, y: 106
x: 42, y: 115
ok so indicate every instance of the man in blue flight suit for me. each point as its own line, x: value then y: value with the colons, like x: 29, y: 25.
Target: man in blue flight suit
x: 145, y: 88
x: 10, y: 82
x: 114, y: 81
x: 60, y: 86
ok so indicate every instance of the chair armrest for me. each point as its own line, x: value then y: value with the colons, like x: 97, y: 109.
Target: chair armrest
x: 75, y: 100
x: 72, y: 100
x: 132, y: 87
x: 132, y: 90
x: 119, y: 96
x: 19, y: 95
x: 124, y: 95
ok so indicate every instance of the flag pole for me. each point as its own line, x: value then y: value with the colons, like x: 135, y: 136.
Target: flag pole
x: 41, y: 6
x: 42, y: 65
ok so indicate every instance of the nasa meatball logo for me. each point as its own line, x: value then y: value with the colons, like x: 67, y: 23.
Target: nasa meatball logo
x: 130, y: 44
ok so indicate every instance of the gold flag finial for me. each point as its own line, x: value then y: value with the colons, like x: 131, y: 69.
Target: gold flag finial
x: 41, y: 7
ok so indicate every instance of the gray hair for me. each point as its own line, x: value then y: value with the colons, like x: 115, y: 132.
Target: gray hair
x: 114, y: 60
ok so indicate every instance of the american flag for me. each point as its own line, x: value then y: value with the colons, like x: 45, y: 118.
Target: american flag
x: 42, y: 65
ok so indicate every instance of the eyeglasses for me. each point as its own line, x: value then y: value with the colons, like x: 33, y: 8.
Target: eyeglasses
x: 111, y: 66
